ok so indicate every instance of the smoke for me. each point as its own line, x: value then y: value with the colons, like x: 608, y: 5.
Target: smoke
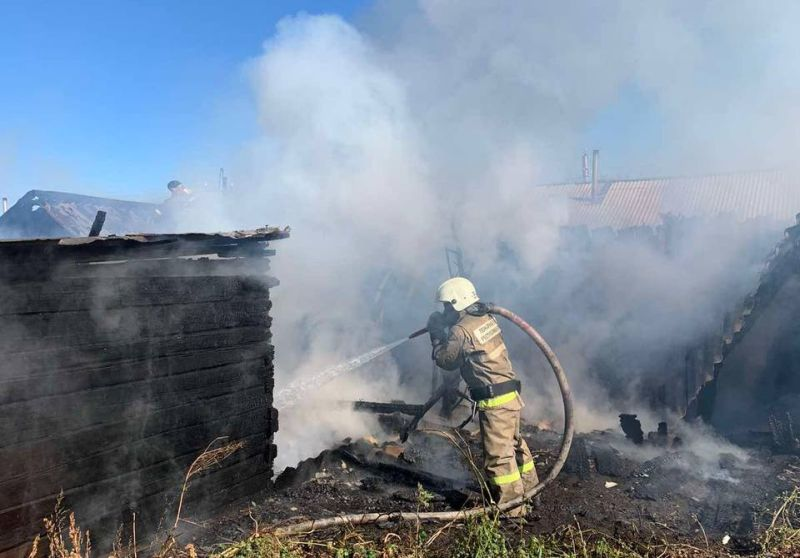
x: 425, y: 125
x: 352, y: 172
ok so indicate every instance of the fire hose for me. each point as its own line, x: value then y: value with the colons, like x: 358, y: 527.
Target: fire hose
x: 566, y: 442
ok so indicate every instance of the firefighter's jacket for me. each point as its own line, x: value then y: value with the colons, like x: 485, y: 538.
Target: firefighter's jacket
x: 475, y: 346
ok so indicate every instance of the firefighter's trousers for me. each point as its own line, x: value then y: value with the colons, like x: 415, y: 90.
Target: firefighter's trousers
x: 507, y: 459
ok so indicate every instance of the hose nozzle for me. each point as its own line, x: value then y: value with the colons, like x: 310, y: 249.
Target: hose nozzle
x: 419, y: 332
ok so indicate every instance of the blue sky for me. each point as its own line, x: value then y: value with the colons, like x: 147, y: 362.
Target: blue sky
x: 115, y: 98
x: 118, y: 97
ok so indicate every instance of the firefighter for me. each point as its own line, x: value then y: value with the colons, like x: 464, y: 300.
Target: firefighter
x: 177, y: 190
x: 466, y: 337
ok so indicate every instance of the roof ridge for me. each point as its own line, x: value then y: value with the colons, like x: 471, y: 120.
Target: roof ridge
x: 83, y: 197
x: 672, y: 177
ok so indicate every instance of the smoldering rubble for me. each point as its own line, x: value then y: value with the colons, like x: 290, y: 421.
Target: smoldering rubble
x: 654, y: 492
x: 656, y: 474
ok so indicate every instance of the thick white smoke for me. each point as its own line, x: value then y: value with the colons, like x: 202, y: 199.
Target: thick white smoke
x: 426, y: 124
x: 345, y: 169
x: 348, y: 165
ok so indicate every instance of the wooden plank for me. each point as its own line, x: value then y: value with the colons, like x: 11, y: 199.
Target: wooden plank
x: 130, y: 487
x: 12, y: 272
x: 160, y: 420
x: 107, y: 499
x: 92, y: 293
x: 39, y: 245
x: 97, y: 224
x: 130, y: 246
x: 201, y: 504
x: 202, y: 267
x: 211, y: 492
x: 21, y: 333
x: 251, y: 458
x: 92, y: 503
x: 36, y: 480
x: 29, y: 420
x: 245, y: 482
x: 54, y: 382
x: 37, y: 360
x: 58, y: 447
x: 127, y: 401
x: 121, y: 321
x: 108, y: 439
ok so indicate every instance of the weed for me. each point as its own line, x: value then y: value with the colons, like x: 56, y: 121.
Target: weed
x: 535, y: 547
x: 205, y: 461
x: 782, y: 537
x: 258, y: 546
x: 482, y: 539
x: 602, y: 548
x: 424, y: 497
x: 574, y: 542
x: 65, y: 539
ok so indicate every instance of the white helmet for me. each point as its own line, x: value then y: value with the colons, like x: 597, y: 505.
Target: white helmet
x: 457, y: 291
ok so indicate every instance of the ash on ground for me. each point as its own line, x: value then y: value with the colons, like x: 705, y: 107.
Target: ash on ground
x: 656, y: 487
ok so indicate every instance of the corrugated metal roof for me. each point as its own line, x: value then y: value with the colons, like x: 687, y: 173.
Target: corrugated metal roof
x: 635, y: 203
x: 41, y: 213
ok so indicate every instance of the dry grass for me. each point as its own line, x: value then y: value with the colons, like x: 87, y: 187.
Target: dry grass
x: 65, y: 538
x: 483, y: 537
x: 782, y: 536
x: 210, y: 458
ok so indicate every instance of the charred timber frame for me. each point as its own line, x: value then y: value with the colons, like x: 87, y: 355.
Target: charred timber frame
x: 782, y: 265
x: 122, y: 358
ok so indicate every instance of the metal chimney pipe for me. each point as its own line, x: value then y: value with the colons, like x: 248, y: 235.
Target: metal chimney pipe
x: 585, y: 168
x: 5, y: 204
x: 595, y: 177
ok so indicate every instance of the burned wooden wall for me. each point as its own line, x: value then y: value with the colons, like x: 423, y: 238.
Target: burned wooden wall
x: 756, y: 375
x: 121, y: 359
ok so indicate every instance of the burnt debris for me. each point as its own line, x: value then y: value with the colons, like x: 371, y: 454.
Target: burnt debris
x: 388, y: 408
x: 784, y: 439
x: 97, y: 225
x: 632, y: 428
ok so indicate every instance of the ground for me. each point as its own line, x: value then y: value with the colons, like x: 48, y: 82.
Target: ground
x: 654, y: 496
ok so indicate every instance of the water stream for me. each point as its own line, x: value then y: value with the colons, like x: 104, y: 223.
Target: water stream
x: 292, y: 394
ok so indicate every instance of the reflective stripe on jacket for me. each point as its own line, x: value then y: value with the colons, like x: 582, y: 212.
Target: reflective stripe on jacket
x: 475, y: 346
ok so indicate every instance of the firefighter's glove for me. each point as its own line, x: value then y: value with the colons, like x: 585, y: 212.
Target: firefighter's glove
x: 437, y: 328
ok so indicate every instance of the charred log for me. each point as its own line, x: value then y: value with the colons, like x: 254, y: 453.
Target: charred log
x: 632, y: 428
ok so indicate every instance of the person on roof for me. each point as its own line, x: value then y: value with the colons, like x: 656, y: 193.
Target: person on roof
x: 177, y: 189
x: 466, y: 337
